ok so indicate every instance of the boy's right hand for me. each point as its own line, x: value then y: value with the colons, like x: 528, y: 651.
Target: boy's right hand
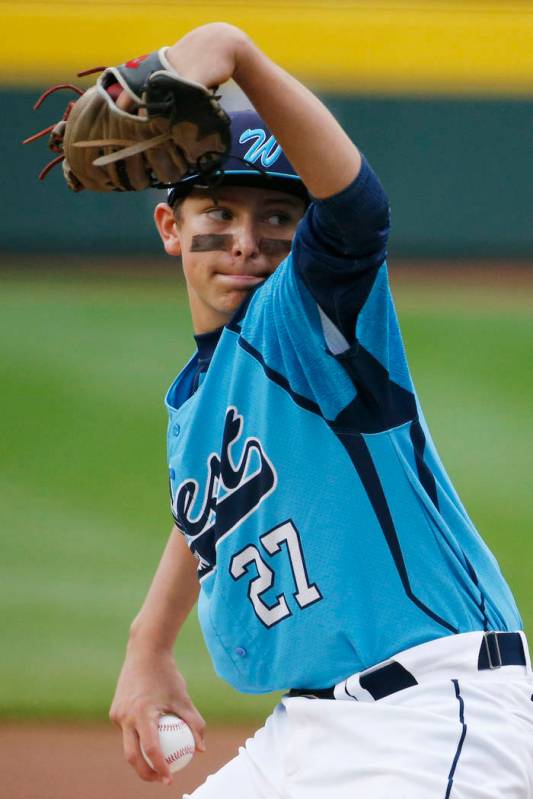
x: 150, y: 686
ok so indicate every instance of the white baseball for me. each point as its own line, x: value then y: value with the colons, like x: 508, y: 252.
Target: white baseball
x: 177, y: 743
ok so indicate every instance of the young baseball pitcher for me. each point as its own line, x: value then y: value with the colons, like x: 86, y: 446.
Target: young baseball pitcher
x: 329, y: 552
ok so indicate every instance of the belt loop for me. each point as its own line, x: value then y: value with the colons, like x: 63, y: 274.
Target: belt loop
x: 492, y: 646
x: 526, y: 651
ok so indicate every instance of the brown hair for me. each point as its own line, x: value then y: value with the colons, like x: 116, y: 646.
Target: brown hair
x: 176, y: 208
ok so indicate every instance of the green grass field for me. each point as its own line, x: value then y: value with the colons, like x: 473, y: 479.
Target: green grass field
x: 85, y: 360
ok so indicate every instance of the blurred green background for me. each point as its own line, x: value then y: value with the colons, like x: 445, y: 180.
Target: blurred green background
x: 94, y: 323
x: 86, y: 356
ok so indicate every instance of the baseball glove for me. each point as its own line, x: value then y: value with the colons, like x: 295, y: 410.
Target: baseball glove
x: 173, y: 126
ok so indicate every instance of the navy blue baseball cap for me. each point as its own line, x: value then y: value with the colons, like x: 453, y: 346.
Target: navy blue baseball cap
x: 254, y: 159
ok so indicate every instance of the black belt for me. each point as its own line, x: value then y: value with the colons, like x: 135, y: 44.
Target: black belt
x: 496, y: 650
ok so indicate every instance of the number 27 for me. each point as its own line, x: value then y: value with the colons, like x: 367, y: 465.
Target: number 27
x: 306, y: 594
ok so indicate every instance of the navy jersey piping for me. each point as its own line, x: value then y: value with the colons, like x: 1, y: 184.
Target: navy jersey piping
x: 461, y: 739
x: 380, y: 404
x: 482, y: 605
x: 425, y: 475
x: 279, y: 379
x: 357, y: 449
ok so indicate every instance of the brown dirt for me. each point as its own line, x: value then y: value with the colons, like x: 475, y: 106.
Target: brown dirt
x: 85, y: 762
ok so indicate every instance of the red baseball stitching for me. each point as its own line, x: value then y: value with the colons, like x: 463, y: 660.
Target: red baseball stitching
x: 172, y: 726
x: 185, y: 750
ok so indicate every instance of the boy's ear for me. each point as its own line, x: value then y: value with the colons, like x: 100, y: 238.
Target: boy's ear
x: 167, y: 228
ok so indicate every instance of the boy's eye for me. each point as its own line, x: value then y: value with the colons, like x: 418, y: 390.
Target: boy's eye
x: 278, y: 219
x: 219, y: 214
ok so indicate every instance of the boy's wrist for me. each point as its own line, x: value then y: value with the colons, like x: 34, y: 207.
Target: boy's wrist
x: 143, y: 637
x: 210, y: 54
x: 244, y: 53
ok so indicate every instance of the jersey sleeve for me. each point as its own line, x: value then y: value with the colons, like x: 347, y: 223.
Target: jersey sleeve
x: 339, y: 246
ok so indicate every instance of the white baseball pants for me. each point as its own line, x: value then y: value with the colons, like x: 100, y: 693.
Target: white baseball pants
x: 459, y: 733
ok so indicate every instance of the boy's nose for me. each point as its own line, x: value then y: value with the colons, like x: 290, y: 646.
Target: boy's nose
x: 245, y: 241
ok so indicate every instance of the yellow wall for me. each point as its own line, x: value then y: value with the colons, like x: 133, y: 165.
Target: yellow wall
x: 388, y: 47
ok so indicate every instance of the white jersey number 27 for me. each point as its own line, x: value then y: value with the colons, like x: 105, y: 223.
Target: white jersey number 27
x: 306, y: 593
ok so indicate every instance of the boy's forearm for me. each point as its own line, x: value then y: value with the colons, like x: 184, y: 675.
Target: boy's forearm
x: 321, y: 152
x: 171, y: 596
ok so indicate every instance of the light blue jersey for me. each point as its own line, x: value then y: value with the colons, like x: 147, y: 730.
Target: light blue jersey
x: 302, y: 473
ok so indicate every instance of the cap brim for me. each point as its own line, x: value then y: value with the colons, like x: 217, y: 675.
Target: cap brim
x: 290, y: 184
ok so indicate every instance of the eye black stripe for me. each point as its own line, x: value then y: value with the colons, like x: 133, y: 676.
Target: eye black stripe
x: 209, y: 242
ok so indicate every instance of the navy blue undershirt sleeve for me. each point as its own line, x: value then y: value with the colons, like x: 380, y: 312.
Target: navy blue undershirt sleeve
x: 206, y: 344
x: 339, y: 246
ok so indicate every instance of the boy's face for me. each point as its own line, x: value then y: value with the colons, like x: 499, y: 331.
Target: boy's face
x: 228, y: 247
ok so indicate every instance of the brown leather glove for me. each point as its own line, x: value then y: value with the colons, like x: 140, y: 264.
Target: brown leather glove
x: 172, y: 126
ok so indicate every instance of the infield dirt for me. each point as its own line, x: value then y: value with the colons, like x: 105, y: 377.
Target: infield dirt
x: 51, y: 761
